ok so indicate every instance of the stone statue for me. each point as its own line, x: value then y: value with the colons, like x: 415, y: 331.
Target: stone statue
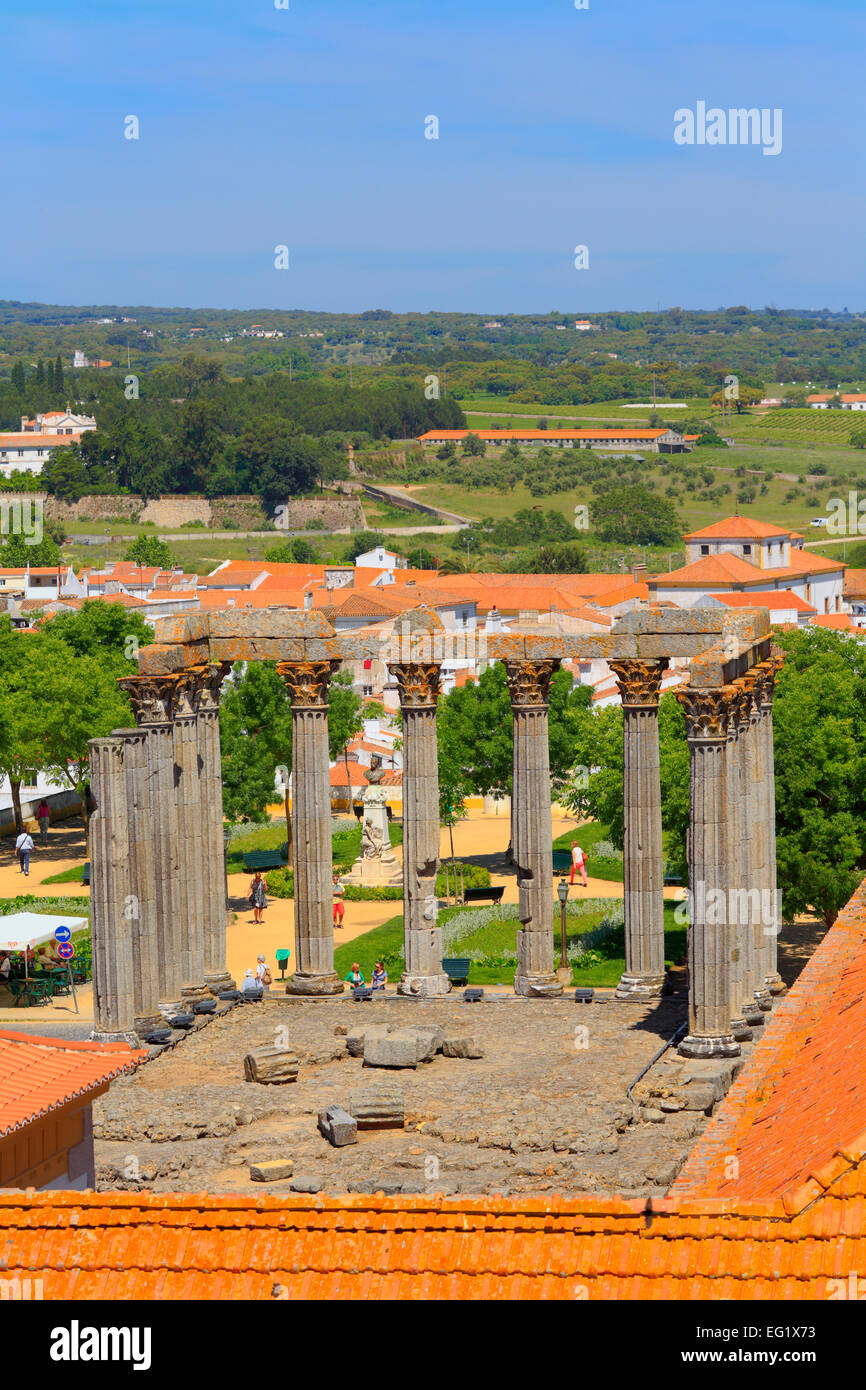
x: 377, y: 865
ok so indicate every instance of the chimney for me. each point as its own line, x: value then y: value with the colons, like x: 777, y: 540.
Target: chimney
x: 308, y: 602
x: 638, y: 573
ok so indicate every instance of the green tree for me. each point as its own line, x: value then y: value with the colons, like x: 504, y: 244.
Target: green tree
x: 149, y: 550
x: 18, y: 552
x: 858, y: 439
x: 632, y: 515
x: 100, y: 626
x: 59, y: 384
x: 361, y: 542
x: 255, y: 738
x: 39, y: 378
x: 557, y: 559
x: 818, y: 716
x: 345, y: 718
x: 18, y: 378
x: 474, y: 446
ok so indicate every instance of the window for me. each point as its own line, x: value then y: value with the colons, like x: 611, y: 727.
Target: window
x: 705, y: 550
x: 747, y: 550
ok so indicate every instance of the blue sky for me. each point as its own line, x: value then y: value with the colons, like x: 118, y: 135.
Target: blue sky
x: 305, y: 127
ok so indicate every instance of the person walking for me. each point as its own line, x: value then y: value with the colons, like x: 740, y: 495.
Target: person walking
x: 24, y: 849
x: 578, y: 862
x: 339, y: 904
x: 263, y: 975
x: 257, y: 897
x: 43, y: 815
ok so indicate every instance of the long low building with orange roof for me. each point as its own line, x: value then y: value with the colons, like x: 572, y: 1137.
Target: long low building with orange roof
x: 770, y: 1205
x: 621, y: 439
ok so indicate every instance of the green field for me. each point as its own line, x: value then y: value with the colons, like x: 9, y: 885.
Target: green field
x: 795, y: 426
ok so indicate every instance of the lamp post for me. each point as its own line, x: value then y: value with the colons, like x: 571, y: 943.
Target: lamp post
x: 227, y: 834
x: 564, y: 971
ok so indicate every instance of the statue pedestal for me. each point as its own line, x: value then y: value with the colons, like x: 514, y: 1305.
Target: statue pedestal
x: 377, y: 866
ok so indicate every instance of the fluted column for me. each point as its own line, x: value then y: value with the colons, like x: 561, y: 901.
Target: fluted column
x: 213, y: 847
x: 110, y: 922
x: 737, y: 917
x: 643, y: 858
x: 154, y: 700
x: 756, y: 999
x: 772, y: 924
x: 419, y: 686
x: 307, y: 684
x: 707, y: 715
x: 529, y: 688
x: 140, y: 906
x: 188, y: 799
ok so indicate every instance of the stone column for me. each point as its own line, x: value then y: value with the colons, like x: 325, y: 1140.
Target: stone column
x: 110, y: 922
x: 643, y: 858
x: 707, y: 715
x: 307, y: 684
x: 736, y: 918
x: 141, y: 903
x: 419, y: 686
x: 191, y: 868
x: 756, y: 999
x: 154, y: 699
x: 529, y: 688
x: 771, y: 915
x: 216, y: 975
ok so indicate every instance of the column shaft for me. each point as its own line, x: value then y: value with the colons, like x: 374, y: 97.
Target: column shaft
x: 529, y: 688
x: 141, y: 905
x: 643, y: 857
x: 772, y: 915
x: 707, y: 713
x: 110, y: 922
x: 213, y: 847
x: 419, y: 685
x: 307, y: 683
x: 737, y: 918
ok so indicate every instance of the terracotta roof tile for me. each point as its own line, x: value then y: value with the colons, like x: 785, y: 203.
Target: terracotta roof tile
x: 40, y: 1074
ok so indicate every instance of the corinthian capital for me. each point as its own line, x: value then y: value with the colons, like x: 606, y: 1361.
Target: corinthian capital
x: 639, y: 682
x: 769, y: 670
x: 708, y: 712
x: 212, y: 677
x: 529, y: 682
x: 154, y: 699
x: 307, y: 682
x: 419, y: 683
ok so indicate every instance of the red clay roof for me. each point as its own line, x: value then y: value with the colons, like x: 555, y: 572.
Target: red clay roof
x: 40, y: 1074
x: 736, y: 528
x: 771, y: 598
x: 495, y: 436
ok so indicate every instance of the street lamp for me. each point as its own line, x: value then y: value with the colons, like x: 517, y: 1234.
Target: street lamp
x: 227, y: 834
x: 562, y: 893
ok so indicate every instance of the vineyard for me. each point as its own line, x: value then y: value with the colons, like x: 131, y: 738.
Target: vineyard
x: 796, y: 426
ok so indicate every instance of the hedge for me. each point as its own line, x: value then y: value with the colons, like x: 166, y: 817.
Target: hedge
x: 280, y: 883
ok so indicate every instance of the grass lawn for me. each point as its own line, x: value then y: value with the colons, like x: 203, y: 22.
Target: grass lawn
x: 73, y: 875
x: 496, y: 938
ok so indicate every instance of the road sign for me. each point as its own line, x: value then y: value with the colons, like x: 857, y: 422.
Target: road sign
x: 63, y: 934
x: 66, y: 950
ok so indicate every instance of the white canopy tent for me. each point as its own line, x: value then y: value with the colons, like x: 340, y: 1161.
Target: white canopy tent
x: 26, y: 930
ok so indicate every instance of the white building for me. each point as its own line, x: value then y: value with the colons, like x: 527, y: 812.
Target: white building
x: 27, y: 452
x: 741, y: 556
x: 379, y: 558
x: 57, y: 422
x: 854, y: 401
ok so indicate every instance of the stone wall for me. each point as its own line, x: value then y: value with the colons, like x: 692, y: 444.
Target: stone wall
x: 244, y: 513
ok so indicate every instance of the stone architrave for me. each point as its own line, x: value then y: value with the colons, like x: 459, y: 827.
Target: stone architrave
x: 110, y: 922
x: 307, y: 684
x: 216, y: 975
x: 419, y: 684
x: 772, y: 924
x: 529, y: 690
x: 643, y: 858
x: 707, y: 713
x: 154, y: 700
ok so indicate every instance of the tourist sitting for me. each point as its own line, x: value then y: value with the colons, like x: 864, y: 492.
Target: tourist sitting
x: 5, y: 968
x: 249, y: 985
x: 380, y: 976
x: 355, y: 978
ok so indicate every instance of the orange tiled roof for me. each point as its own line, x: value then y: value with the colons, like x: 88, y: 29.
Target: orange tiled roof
x: 29, y: 440
x: 792, y: 1220
x: 500, y: 436
x: 771, y: 598
x: 840, y: 622
x: 40, y: 1074
x: 737, y: 528
x: 855, y: 583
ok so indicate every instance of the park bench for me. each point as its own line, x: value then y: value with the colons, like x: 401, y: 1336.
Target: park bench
x: 457, y: 970
x: 262, y: 859
x: 484, y: 895
x: 671, y: 880
x: 85, y: 874
x: 562, y: 861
